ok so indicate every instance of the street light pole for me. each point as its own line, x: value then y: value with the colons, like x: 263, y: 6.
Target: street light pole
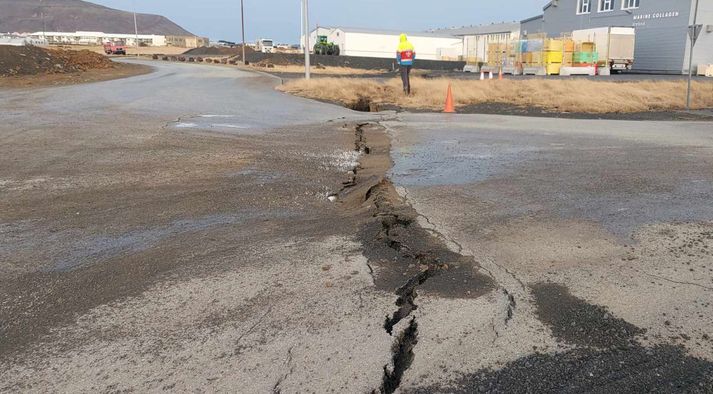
x: 242, y: 25
x: 44, y: 25
x: 302, y: 27
x: 693, y: 31
x: 136, y: 31
x: 305, y: 24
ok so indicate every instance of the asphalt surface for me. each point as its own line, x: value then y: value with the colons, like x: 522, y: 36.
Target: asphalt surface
x: 143, y: 253
x: 194, y: 230
x: 601, y: 231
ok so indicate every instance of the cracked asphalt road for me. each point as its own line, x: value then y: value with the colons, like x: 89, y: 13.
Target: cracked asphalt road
x: 173, y: 232
x: 601, y: 230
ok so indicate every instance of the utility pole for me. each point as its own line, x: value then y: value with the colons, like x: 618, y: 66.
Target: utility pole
x: 305, y: 24
x: 44, y: 25
x: 242, y: 25
x: 136, y: 31
x: 302, y: 27
x: 693, y: 31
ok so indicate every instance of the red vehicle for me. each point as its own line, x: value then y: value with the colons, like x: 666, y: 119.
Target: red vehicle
x: 112, y: 48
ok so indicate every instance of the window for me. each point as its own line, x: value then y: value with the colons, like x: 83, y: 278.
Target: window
x: 629, y: 4
x: 606, y: 5
x: 584, y: 6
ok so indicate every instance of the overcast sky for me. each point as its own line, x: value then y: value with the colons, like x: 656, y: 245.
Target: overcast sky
x: 280, y: 19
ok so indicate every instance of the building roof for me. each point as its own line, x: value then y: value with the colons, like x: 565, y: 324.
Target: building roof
x: 542, y: 16
x: 89, y: 34
x: 504, y: 27
x: 390, y: 32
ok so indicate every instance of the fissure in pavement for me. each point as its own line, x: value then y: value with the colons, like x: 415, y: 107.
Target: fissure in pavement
x: 400, y: 248
x: 402, y: 357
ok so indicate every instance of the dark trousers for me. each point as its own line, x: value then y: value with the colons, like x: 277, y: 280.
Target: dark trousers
x: 406, y: 78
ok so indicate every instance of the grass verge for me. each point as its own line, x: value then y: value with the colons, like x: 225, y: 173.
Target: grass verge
x: 556, y: 95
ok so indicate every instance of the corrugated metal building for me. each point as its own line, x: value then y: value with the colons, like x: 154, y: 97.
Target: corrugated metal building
x: 477, y: 38
x: 662, y: 43
x: 383, y: 43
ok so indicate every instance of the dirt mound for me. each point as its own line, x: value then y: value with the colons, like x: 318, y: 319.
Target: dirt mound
x: 277, y: 59
x: 29, y: 60
x: 218, y: 51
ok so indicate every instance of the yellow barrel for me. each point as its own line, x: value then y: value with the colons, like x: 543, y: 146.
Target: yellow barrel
x: 553, y: 69
x: 553, y: 57
x: 554, y: 45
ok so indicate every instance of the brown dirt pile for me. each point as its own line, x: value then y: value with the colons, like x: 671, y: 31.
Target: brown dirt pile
x: 218, y: 51
x: 29, y: 60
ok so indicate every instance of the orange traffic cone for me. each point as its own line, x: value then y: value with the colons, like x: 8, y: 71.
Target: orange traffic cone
x: 500, y: 76
x: 450, y: 108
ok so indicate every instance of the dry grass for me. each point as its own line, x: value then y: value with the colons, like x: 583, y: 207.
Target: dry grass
x: 577, y: 95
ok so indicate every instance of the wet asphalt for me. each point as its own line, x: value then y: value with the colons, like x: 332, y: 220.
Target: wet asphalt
x: 191, y: 96
x: 172, y: 231
x: 561, y: 207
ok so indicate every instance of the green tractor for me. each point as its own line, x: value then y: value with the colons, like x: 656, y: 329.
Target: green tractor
x: 324, y: 47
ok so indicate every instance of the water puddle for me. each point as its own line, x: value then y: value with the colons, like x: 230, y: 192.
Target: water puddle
x: 257, y: 175
x: 453, y: 162
x: 185, y: 125
x: 216, y: 122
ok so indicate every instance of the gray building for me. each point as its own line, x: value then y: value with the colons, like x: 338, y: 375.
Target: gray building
x: 662, y: 43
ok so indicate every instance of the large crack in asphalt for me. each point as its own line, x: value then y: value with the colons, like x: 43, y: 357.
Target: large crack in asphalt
x: 408, y: 260
x: 404, y: 257
x: 402, y: 357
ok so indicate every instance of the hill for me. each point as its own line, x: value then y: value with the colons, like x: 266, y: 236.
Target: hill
x: 26, y: 16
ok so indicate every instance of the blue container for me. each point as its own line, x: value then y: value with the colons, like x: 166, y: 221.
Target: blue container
x: 534, y: 46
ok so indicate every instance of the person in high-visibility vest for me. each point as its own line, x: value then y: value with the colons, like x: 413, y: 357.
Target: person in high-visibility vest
x: 405, y: 56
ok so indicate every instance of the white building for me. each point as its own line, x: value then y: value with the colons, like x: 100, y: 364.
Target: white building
x: 98, y: 38
x: 477, y: 38
x: 383, y: 43
x: 19, y: 40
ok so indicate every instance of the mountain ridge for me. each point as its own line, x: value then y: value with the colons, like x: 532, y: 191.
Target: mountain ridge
x: 28, y: 16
